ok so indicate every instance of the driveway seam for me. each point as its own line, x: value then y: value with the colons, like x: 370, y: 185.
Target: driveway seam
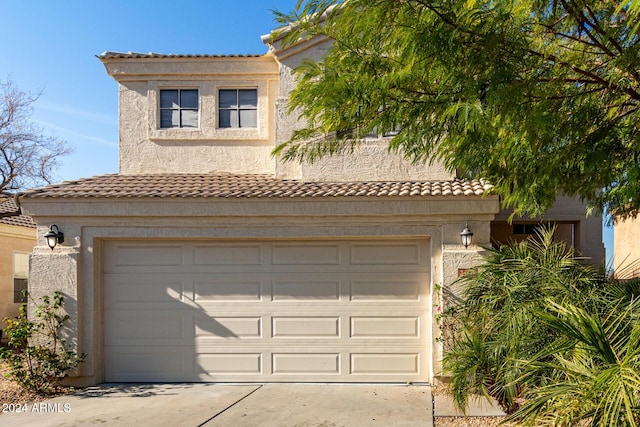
x: 230, y: 406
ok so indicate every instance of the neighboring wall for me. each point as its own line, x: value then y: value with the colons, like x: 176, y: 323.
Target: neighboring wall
x: 13, y: 239
x: 626, y: 248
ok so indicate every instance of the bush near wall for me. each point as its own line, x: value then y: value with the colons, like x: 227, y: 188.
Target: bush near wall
x: 37, y: 353
x: 553, y: 340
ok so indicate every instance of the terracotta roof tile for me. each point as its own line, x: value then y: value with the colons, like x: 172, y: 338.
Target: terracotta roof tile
x: 10, y: 214
x: 245, y: 186
x: 136, y: 55
x: 19, y: 220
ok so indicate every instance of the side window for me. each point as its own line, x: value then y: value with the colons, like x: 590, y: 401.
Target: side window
x: 179, y: 108
x: 20, y: 276
x: 238, y: 108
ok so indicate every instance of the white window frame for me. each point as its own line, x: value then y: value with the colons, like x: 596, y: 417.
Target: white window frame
x: 208, y: 120
x: 237, y: 109
x: 180, y: 108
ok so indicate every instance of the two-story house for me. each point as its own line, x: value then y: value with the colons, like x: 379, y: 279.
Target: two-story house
x: 207, y: 259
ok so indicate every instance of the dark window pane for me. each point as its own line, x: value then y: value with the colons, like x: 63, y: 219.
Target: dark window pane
x: 224, y: 120
x: 169, y: 99
x: 228, y: 98
x: 189, y: 99
x: 248, y: 98
x: 169, y: 118
x: 19, y: 285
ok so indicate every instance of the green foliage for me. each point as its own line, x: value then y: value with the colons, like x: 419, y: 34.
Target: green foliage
x: 554, y: 341
x: 498, y: 317
x: 538, y: 97
x: 36, y: 352
x: 593, y: 367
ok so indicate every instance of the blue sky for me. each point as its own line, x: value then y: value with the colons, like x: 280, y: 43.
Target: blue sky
x: 52, y: 47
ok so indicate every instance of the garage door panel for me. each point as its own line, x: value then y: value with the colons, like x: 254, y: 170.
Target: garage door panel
x: 385, y: 363
x: 385, y: 327
x: 305, y: 364
x: 229, y: 364
x: 132, y: 256
x: 140, y: 327
x: 385, y: 254
x: 228, y: 255
x: 391, y: 288
x: 150, y: 364
x: 149, y: 288
x: 306, y: 288
x: 268, y: 311
x: 305, y: 327
x: 207, y: 327
x: 228, y: 288
x: 307, y: 254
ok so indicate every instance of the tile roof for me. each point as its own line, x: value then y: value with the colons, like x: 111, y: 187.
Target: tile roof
x: 117, y: 186
x: 132, y: 55
x: 8, y: 206
x: 10, y: 214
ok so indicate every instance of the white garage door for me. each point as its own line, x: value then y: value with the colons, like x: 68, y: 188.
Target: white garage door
x: 324, y: 311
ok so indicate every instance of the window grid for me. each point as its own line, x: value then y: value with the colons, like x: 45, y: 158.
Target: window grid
x: 237, y: 108
x: 179, y: 108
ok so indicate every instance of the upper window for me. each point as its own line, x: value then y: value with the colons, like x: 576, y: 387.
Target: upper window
x: 238, y: 108
x: 179, y: 108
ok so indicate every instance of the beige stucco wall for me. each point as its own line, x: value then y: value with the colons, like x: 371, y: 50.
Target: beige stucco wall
x: 75, y: 266
x: 146, y: 148
x: 14, y: 239
x: 626, y: 248
x: 569, y: 210
x: 370, y: 161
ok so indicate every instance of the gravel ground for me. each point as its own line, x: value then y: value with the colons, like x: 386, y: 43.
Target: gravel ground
x: 466, y: 421
x: 11, y: 393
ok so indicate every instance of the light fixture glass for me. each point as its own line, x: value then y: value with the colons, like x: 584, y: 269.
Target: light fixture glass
x: 466, y: 236
x: 54, y: 237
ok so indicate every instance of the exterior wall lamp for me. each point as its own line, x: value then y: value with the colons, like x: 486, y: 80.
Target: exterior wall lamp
x: 466, y: 236
x: 54, y: 237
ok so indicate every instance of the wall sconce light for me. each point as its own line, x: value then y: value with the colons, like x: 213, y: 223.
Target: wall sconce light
x: 466, y: 236
x: 54, y: 237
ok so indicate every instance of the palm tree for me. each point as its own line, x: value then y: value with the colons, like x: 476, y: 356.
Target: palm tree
x: 593, y: 367
x: 498, y: 318
x: 555, y: 341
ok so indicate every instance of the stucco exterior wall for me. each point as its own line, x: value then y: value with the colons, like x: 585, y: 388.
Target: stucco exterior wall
x: 370, y: 161
x: 587, y: 229
x: 14, y: 239
x: 147, y: 148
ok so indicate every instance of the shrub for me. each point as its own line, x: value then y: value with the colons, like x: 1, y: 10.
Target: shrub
x: 593, y: 365
x: 37, y: 354
x: 554, y: 341
x: 499, y: 317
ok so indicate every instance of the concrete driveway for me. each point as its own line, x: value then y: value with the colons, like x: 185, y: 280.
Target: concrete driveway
x: 193, y: 405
